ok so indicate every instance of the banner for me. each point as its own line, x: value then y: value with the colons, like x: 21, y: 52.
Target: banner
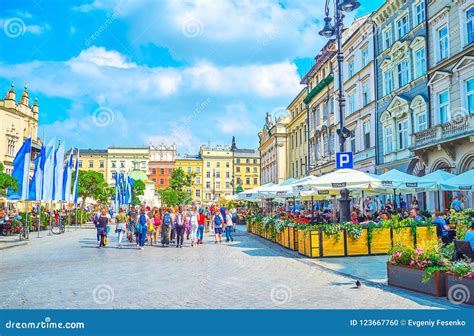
x: 36, y: 185
x: 21, y: 171
x: 48, y: 172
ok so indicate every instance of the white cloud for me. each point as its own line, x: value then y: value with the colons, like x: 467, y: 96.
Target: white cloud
x: 236, y: 120
x: 101, y: 57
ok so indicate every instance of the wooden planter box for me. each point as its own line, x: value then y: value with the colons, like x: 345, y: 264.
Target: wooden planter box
x: 279, y: 238
x: 359, y: 246
x: 285, y: 237
x: 403, y: 236
x: 460, y: 289
x: 301, y: 242
x: 331, y: 247
x: 293, y: 239
x: 381, y: 241
x: 425, y: 233
x: 410, y: 278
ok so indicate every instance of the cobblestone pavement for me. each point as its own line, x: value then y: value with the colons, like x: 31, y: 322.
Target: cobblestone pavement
x: 69, y: 271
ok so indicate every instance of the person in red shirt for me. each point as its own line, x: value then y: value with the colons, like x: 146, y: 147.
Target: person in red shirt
x: 201, y: 224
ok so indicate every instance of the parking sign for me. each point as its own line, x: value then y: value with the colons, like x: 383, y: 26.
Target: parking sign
x: 344, y: 160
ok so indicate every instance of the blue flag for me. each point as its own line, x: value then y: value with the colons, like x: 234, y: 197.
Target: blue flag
x: 21, y: 170
x: 75, y: 192
x: 67, y: 179
x: 36, y: 184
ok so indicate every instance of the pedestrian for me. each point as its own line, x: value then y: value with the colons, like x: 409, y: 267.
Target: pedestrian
x: 166, y: 228
x: 414, y: 203
x: 180, y: 227
x: 120, y: 229
x: 157, y: 223
x: 142, y: 229
x: 229, y: 226
x: 201, y: 226
x: 456, y: 204
x: 217, y: 221
x: 150, y: 231
x: 132, y: 222
x: 194, y: 224
x: 233, y: 213
x: 187, y: 224
x: 96, y: 223
x: 173, y: 225
x: 102, y: 223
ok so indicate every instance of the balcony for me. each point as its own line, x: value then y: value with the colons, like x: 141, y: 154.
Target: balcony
x: 445, y: 132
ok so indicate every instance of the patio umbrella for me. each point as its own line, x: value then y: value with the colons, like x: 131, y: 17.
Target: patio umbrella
x: 438, y: 176
x: 464, y: 181
x: 252, y: 194
x: 405, y: 183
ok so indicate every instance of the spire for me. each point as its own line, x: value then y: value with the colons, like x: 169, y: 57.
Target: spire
x: 11, y: 95
x: 24, y: 96
x: 35, y: 106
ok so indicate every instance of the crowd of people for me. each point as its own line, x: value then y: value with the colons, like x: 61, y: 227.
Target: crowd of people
x: 165, y: 226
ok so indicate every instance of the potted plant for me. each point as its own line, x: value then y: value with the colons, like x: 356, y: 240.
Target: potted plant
x: 459, y: 282
x: 421, y: 270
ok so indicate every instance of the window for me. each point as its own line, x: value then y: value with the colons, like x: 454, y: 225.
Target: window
x: 387, y: 82
x: 170, y: 171
x: 443, y: 106
x: 443, y: 42
x: 198, y: 193
x: 11, y: 149
x: 218, y: 185
x: 162, y: 181
x: 227, y: 164
x: 247, y: 161
x: 403, y: 134
x: 153, y: 171
x: 247, y: 181
x: 80, y: 163
x: 254, y: 169
x: 420, y: 62
x: 162, y: 171
x: 237, y: 160
x: 365, y: 56
x: 470, y: 95
x: 419, y: 12
x: 254, y: 161
x: 350, y: 68
x: 197, y: 180
x: 228, y: 185
x: 332, y: 141
x: 208, y: 184
x: 218, y: 174
x: 352, y: 106
x: 237, y: 169
x: 101, y: 164
x: 239, y: 181
x: 122, y: 164
x: 421, y: 121
x: 227, y: 174
x: 247, y: 169
x: 91, y: 164
x: 114, y: 164
x: 403, y: 74
x: 388, y: 139
x: 208, y: 164
x: 402, y: 26
x: 366, y: 128
x: 305, y: 137
x: 208, y: 196
x: 190, y: 169
x: 470, y: 25
x: 255, y: 180
x: 352, y: 140
x: 218, y: 164
x: 365, y: 93
x: 301, y: 166
x: 208, y: 174
x: 301, y: 136
x: 198, y: 169
x: 387, y: 38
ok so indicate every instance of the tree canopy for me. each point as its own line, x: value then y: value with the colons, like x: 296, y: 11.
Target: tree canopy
x: 177, y: 192
x: 93, y: 185
x: 6, y: 181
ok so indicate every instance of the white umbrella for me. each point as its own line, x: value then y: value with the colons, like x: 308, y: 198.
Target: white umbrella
x: 438, y: 176
x: 404, y: 182
x: 252, y: 194
x: 464, y: 181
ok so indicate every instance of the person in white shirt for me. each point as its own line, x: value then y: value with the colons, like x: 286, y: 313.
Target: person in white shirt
x: 229, y: 227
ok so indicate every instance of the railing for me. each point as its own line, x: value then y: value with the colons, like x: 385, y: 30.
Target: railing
x: 444, y: 131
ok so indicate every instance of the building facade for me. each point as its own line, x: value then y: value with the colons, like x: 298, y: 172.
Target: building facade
x: 161, y: 165
x: 246, y: 169
x: 18, y: 121
x: 402, y: 91
x: 95, y: 160
x: 125, y: 159
x: 297, y: 136
x: 359, y: 88
x: 273, y: 149
x: 192, y: 164
x: 217, y: 171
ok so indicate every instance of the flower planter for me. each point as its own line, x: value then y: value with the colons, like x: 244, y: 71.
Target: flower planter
x: 425, y: 233
x: 410, y: 278
x: 459, y: 289
x: 359, y: 246
x: 331, y: 247
x: 403, y: 236
x: 301, y: 242
x: 381, y: 241
x: 293, y: 238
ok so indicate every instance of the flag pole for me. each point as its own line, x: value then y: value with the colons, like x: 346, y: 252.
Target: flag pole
x: 39, y: 218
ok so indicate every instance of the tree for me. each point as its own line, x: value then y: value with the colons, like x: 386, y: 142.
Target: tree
x: 169, y: 197
x: 6, y: 181
x: 177, y: 192
x: 93, y: 185
x: 138, y: 190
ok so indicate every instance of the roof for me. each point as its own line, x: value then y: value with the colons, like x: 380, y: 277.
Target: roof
x: 92, y: 151
x: 247, y: 153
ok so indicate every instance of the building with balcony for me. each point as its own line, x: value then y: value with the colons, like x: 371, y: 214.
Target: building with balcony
x: 161, y: 164
x: 273, y: 150
x: 193, y: 164
x: 402, y: 91
x: 297, y: 127
x: 18, y: 121
x: 358, y: 87
x: 319, y: 102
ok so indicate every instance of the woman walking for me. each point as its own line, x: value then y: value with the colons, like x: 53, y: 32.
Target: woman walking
x: 194, y: 224
x: 166, y: 228
x: 103, y: 222
x: 142, y: 228
x: 132, y: 223
x: 217, y: 221
x: 229, y: 227
x: 150, y: 231
x: 120, y: 229
x: 157, y: 224
x: 180, y: 227
x: 201, y: 226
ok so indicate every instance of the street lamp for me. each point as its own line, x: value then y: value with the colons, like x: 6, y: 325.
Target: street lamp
x: 233, y: 147
x: 329, y: 31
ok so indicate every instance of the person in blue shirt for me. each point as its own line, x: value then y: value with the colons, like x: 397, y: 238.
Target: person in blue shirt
x: 470, y: 236
x: 447, y: 234
x: 403, y: 204
x: 456, y: 204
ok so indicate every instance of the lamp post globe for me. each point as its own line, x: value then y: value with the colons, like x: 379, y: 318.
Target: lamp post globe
x: 349, y: 5
x: 328, y: 30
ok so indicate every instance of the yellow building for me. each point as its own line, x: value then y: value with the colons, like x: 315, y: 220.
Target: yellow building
x: 246, y: 169
x: 297, y: 128
x: 126, y: 159
x: 93, y: 159
x: 17, y: 122
x: 192, y: 164
x: 217, y: 172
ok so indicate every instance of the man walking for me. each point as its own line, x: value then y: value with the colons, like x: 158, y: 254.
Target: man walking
x: 217, y: 220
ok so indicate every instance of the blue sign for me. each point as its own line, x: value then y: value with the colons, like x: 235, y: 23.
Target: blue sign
x: 344, y: 160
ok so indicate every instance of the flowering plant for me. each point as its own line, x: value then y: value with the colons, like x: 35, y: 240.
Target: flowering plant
x: 463, y: 268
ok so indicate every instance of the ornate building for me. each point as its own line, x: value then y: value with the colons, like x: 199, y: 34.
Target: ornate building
x: 161, y: 164
x: 246, y: 169
x: 217, y: 171
x: 17, y: 122
x: 297, y: 137
x: 402, y: 91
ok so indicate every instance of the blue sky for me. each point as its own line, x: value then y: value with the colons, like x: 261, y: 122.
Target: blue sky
x: 139, y: 71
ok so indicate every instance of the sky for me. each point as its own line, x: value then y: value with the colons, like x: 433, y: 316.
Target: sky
x: 135, y: 72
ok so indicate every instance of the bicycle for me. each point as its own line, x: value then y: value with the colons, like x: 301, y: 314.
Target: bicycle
x: 57, y: 227
x: 18, y: 227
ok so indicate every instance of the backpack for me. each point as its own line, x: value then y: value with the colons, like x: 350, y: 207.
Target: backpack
x: 218, y: 220
x: 142, y: 220
x: 167, y: 219
x: 179, y: 219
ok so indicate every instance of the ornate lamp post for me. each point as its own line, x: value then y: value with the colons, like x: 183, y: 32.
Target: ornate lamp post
x: 330, y: 31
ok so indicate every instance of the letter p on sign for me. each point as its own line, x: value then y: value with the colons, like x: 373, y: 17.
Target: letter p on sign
x: 344, y: 160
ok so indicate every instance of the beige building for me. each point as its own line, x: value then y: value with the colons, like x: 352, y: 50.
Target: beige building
x: 17, y: 122
x: 217, y: 171
x: 192, y: 164
x: 297, y: 156
x: 93, y: 159
x: 273, y: 150
x: 246, y: 169
x: 126, y: 159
